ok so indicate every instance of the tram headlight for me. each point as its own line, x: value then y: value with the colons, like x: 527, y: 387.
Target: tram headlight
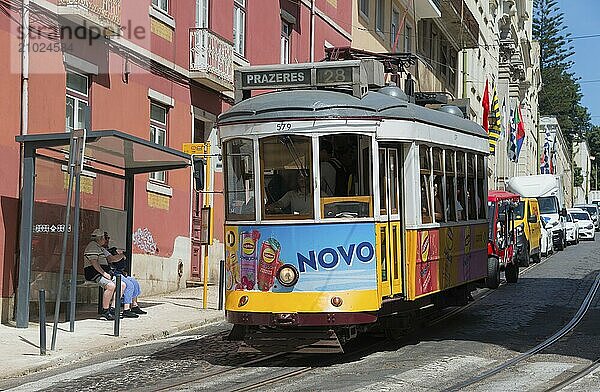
x: 287, y: 275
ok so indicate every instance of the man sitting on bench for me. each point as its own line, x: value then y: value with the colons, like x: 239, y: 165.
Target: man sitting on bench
x: 97, y: 269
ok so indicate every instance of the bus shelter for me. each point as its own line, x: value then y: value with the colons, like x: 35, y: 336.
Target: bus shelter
x: 107, y: 152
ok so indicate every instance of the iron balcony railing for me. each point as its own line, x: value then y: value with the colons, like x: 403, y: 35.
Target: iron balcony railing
x: 109, y: 10
x: 211, y: 53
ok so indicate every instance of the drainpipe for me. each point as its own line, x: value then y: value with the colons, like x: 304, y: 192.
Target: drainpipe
x: 312, y: 31
x: 25, y: 68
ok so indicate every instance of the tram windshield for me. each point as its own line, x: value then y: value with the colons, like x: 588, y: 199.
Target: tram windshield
x: 286, y: 168
x: 345, y: 176
x: 239, y: 166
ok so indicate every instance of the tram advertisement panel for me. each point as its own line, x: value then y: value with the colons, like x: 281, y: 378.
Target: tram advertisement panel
x: 331, y: 257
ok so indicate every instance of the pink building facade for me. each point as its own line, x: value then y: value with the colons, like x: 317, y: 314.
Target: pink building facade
x: 161, y: 70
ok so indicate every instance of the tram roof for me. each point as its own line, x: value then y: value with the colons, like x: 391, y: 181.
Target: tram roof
x: 326, y: 104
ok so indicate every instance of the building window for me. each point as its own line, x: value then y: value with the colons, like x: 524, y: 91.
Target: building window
x: 394, y: 30
x: 202, y: 7
x: 239, y: 27
x: 364, y: 8
x: 407, y: 37
x: 158, y: 133
x: 286, y: 33
x: 380, y: 17
x: 162, y: 5
x: 77, y: 100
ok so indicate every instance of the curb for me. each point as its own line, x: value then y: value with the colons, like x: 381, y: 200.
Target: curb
x: 68, y: 359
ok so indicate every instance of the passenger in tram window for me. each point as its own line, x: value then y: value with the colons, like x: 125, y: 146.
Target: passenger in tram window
x: 298, y: 201
x: 425, y: 207
x: 328, y: 171
x: 438, y: 203
x: 460, y: 201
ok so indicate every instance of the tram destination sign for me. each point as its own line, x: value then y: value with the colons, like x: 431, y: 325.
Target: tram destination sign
x: 306, y: 75
x: 276, y: 78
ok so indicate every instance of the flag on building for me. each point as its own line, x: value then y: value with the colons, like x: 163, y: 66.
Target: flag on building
x: 520, y: 126
x: 504, y: 118
x: 494, y: 122
x: 485, y: 102
x: 512, y: 138
x: 517, y: 133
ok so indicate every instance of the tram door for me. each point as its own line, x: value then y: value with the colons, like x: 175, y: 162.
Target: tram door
x: 390, y: 226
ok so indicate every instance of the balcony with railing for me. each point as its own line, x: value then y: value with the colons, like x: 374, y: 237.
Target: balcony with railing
x: 211, y: 59
x: 103, y: 14
x: 460, y: 23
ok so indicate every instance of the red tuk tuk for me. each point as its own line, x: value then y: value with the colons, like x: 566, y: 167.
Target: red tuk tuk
x: 502, y: 253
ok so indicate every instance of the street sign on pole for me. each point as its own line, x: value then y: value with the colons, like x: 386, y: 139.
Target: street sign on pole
x: 194, y: 148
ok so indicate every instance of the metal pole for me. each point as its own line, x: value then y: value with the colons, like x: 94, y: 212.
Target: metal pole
x: 63, y: 252
x: 42, y: 299
x: 117, y: 305
x: 206, y: 204
x: 75, y: 252
x: 221, y: 283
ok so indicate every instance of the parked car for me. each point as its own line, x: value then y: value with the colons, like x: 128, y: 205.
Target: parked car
x: 584, y: 221
x: 594, y: 212
x: 572, y: 229
x: 546, y: 247
x: 527, y: 226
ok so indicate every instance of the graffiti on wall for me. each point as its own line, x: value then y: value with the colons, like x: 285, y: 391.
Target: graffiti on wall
x: 142, y: 238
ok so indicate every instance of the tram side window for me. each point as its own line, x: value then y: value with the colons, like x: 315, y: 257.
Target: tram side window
x: 286, y: 177
x: 450, y: 183
x: 345, y: 176
x: 438, y: 186
x: 481, y: 173
x: 460, y: 186
x: 239, y: 183
x: 471, y: 197
x: 425, y: 170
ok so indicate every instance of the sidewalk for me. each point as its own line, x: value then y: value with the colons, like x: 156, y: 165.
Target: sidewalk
x: 167, y: 314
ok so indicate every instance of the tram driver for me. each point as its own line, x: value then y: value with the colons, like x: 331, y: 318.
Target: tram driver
x: 298, y: 200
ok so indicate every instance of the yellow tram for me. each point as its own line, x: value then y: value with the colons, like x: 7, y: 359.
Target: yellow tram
x: 345, y: 208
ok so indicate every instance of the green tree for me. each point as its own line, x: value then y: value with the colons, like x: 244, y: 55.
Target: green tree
x: 561, y: 93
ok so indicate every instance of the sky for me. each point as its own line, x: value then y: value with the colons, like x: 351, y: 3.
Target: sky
x: 580, y: 17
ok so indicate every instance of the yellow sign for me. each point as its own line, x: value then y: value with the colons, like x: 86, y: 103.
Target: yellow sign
x: 161, y: 29
x: 195, y: 148
x: 158, y: 201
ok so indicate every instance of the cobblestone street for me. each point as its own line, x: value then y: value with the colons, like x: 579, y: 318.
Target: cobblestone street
x: 500, y: 325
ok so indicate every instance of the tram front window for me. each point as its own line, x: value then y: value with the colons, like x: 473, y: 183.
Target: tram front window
x: 286, y: 177
x: 239, y: 185
x: 345, y: 176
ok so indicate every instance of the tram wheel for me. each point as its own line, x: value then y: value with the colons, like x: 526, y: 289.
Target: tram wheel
x: 512, y: 273
x: 493, y: 273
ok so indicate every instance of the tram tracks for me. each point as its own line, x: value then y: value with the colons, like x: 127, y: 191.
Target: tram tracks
x: 570, y: 326
x: 295, y: 372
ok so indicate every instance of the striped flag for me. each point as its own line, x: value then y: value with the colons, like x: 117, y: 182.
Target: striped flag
x: 495, y: 123
x: 517, y: 133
